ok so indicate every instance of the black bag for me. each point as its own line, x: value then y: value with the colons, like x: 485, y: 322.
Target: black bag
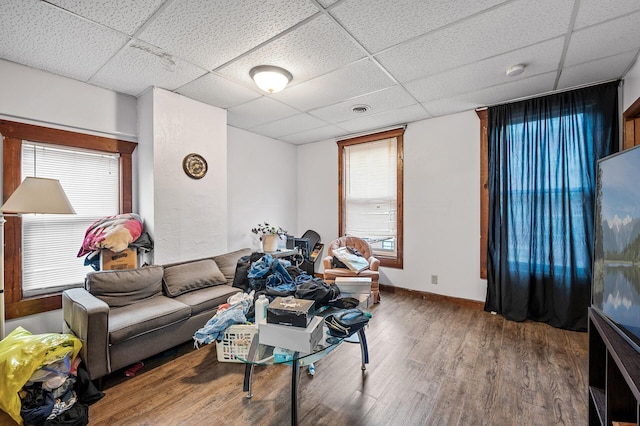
x: 240, y: 279
x: 318, y: 290
x: 346, y: 322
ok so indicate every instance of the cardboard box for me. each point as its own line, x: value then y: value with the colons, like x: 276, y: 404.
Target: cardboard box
x: 354, y: 285
x: 297, y: 339
x: 126, y: 259
x: 291, y: 312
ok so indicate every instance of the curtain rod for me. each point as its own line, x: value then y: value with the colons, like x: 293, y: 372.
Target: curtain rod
x: 552, y: 92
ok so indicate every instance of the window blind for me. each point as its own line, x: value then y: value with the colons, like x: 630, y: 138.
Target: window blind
x: 50, y: 243
x: 371, y: 192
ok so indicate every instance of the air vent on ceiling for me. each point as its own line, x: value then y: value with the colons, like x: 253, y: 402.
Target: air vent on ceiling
x: 359, y: 109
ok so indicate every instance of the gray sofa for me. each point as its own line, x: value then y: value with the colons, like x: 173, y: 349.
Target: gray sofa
x: 123, y: 317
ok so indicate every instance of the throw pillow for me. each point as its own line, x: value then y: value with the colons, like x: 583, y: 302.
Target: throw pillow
x: 186, y: 277
x: 122, y: 288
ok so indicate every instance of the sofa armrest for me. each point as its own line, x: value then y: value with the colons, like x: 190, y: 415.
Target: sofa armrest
x: 326, y: 262
x: 374, y: 263
x: 87, y: 317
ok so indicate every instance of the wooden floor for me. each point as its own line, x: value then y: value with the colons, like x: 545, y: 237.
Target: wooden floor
x: 431, y: 363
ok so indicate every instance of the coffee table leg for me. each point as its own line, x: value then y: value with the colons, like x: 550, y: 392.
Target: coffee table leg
x: 295, y: 374
x: 248, y: 379
x: 364, y: 350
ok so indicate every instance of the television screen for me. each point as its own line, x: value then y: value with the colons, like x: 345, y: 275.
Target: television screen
x: 616, y: 268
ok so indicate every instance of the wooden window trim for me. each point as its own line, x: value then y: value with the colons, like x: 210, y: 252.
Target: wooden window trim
x: 484, y: 189
x: 391, y: 262
x: 13, y: 134
x: 631, y: 125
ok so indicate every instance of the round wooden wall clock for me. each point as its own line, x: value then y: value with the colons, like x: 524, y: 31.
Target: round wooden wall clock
x: 195, y: 166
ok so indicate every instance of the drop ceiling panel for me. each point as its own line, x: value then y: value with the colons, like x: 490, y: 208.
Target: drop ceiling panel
x: 603, y: 40
x: 600, y: 70
x: 383, y: 100
x: 540, y: 58
x: 123, y: 15
x: 401, y: 20
x: 212, y: 32
x: 50, y: 39
x: 286, y: 126
x: 315, y: 135
x: 500, y: 30
x: 218, y: 91
x: 140, y: 65
x: 596, y: 11
x: 494, y: 95
x: 387, y: 118
x: 259, y: 111
x: 312, y: 49
x: 354, y: 80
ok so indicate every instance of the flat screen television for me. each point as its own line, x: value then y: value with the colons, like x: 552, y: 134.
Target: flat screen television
x: 616, y: 261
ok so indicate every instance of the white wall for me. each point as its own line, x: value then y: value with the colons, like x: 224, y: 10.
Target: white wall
x: 631, y: 88
x: 189, y: 215
x: 441, y: 204
x: 38, y: 97
x: 262, y: 186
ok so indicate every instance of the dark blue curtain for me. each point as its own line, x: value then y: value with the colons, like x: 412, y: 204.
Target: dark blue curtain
x: 542, y: 162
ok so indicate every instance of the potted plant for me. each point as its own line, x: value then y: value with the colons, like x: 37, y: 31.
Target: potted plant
x: 269, y: 236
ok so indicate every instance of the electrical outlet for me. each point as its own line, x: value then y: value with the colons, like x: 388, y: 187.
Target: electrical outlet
x: 434, y: 279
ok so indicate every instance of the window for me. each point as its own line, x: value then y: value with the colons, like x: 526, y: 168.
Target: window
x: 370, y: 188
x: 30, y: 285
x: 49, y: 255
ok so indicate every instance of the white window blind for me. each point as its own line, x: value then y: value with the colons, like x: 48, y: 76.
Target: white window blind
x: 371, y: 197
x: 50, y: 243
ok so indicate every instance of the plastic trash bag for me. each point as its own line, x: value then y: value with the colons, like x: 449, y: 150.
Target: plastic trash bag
x: 21, y: 354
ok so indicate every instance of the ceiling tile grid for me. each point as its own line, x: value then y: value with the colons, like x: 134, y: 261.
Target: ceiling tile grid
x: 407, y: 59
x: 38, y: 35
x: 539, y: 84
x: 289, y: 125
x: 595, y: 71
x: 140, y: 65
x: 403, y: 20
x: 513, y: 26
x: 348, y: 82
x: 310, y: 50
x: 210, y: 33
x: 123, y: 15
x: 218, y: 91
x: 380, y: 101
x: 538, y: 59
x: 259, y: 111
x: 595, y: 11
x: 603, y: 40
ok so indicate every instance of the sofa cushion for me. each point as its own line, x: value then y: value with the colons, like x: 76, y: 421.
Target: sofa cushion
x: 186, y: 277
x: 127, y: 322
x: 227, y: 262
x: 207, y: 299
x: 122, y: 288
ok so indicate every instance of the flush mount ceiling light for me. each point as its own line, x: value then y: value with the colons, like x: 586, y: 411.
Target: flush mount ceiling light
x: 515, y: 70
x: 359, y: 109
x: 269, y: 78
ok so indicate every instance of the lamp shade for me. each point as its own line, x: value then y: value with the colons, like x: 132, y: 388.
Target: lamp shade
x: 270, y: 78
x: 38, y: 195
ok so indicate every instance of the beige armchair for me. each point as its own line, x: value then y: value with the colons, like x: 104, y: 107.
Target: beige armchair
x: 364, y: 248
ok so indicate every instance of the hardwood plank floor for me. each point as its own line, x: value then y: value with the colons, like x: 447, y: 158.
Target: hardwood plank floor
x: 431, y: 363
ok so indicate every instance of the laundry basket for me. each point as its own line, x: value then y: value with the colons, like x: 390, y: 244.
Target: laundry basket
x: 236, y: 342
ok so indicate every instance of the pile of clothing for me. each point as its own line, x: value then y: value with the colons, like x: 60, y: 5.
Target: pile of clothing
x: 259, y: 274
x: 44, y: 382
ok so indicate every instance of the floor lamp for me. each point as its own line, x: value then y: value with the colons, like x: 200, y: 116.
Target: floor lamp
x: 34, y: 195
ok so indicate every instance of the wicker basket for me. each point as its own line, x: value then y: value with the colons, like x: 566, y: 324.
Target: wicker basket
x: 236, y: 342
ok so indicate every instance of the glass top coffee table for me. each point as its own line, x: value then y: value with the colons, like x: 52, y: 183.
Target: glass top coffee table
x: 260, y: 354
